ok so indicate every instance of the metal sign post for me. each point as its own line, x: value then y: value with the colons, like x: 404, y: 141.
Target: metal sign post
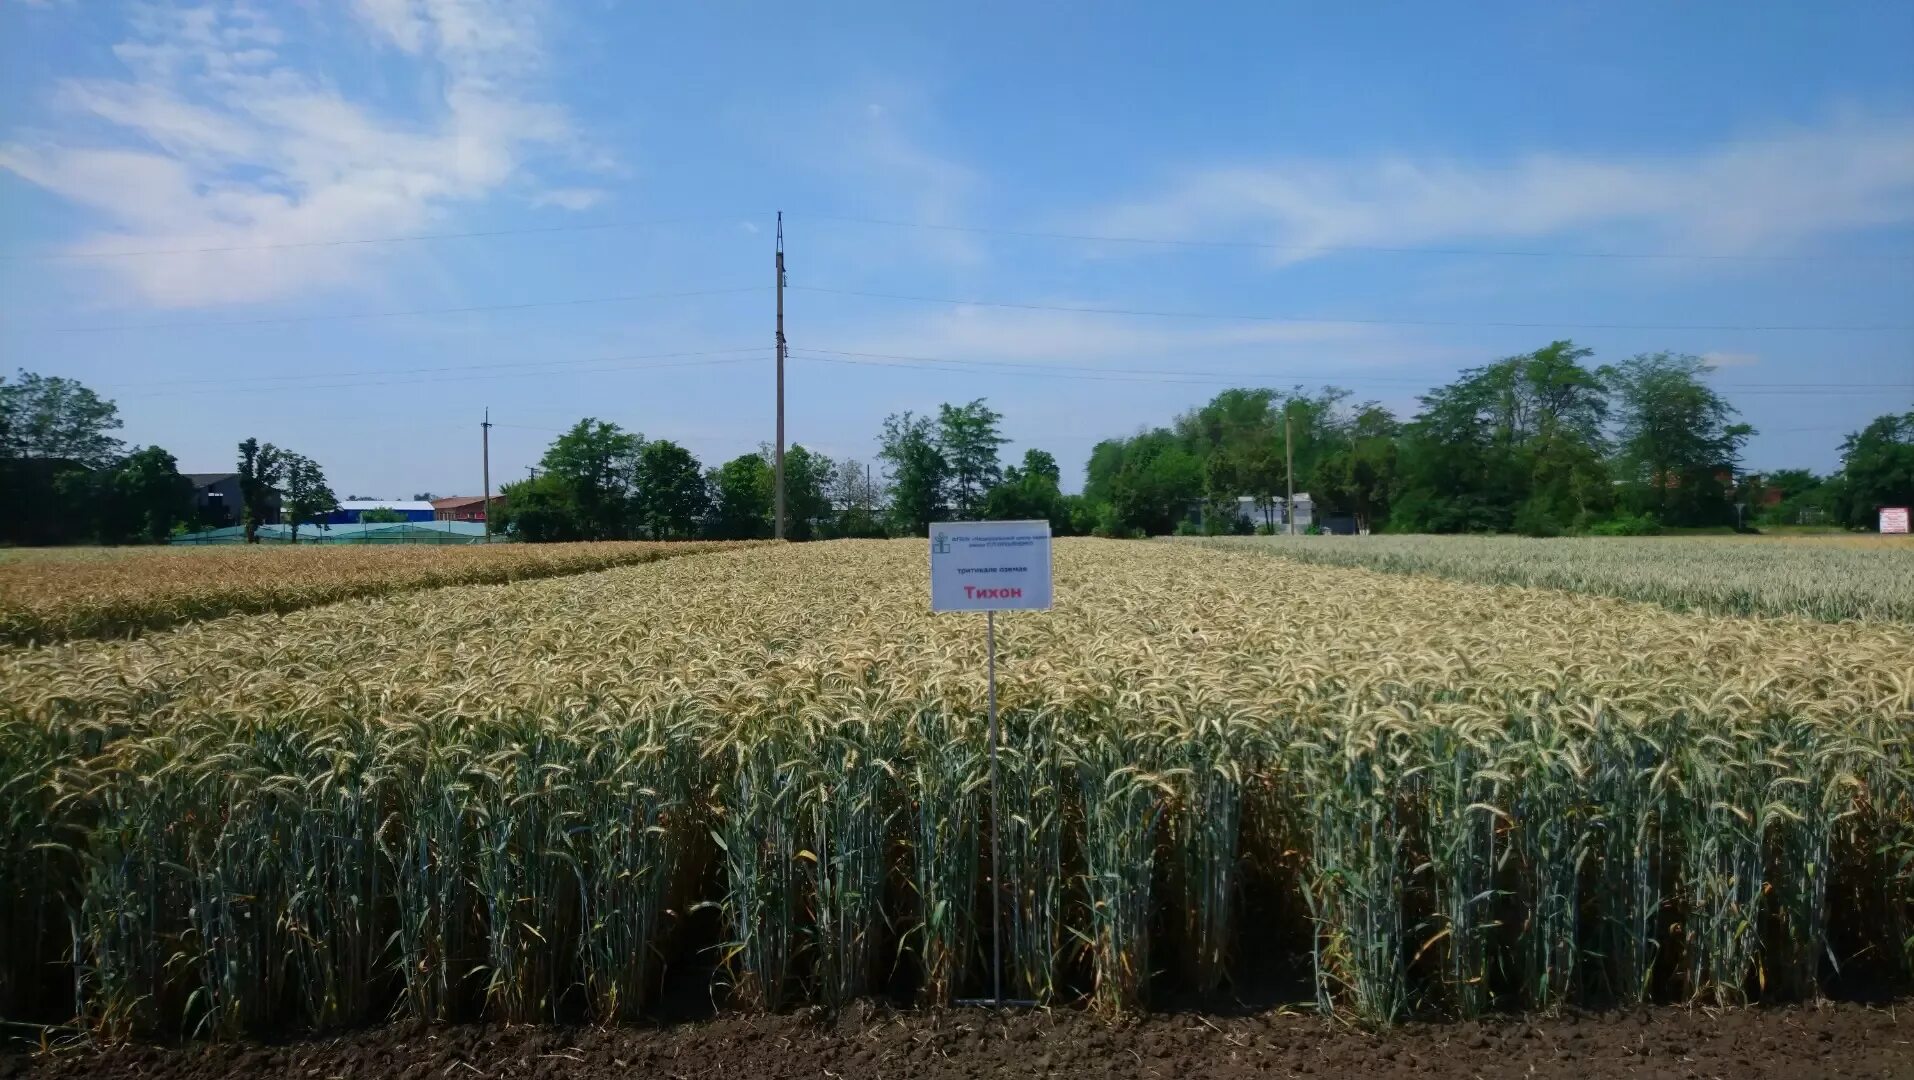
x: 996, y: 815
x: 986, y: 566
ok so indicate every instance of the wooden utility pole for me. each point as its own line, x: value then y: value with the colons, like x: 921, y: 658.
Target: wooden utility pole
x: 485, y: 456
x: 779, y: 533
x: 1289, y: 475
x: 485, y: 439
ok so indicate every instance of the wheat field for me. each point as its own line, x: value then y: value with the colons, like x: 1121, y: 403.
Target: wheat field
x: 54, y: 594
x: 514, y: 800
x: 1827, y: 578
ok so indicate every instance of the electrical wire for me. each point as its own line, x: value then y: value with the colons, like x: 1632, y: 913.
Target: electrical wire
x: 1365, y: 249
x: 456, y: 379
x: 27, y: 256
x: 1225, y: 317
x: 283, y: 320
x: 451, y: 368
x: 1790, y: 387
x: 1008, y: 367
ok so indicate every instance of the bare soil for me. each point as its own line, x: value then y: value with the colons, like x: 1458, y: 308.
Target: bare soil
x: 1836, y: 1040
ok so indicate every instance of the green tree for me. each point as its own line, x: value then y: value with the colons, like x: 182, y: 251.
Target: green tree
x: 918, y: 472
x: 856, y: 499
x: 1679, y: 445
x: 308, y: 498
x: 670, y: 498
x: 1239, y: 435
x: 1030, y: 492
x: 1877, y: 469
x: 55, y: 448
x: 148, y: 497
x: 808, y: 480
x: 260, y: 471
x: 380, y: 515
x: 539, y: 510
x: 968, y: 440
x: 1159, y: 481
x: 1100, y: 471
x: 1360, y: 478
x: 741, y: 498
x: 47, y: 416
x: 1516, y: 444
x: 597, y: 462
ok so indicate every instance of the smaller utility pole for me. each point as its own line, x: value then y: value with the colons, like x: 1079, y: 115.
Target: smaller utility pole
x: 779, y: 534
x: 485, y: 439
x: 1289, y: 474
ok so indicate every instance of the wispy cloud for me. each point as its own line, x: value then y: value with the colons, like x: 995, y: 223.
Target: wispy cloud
x: 570, y: 198
x: 1729, y: 359
x: 219, y: 137
x: 1066, y: 338
x: 1752, y: 195
x: 880, y: 154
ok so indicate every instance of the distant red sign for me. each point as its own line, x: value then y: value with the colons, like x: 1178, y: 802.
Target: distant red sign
x: 1893, y: 519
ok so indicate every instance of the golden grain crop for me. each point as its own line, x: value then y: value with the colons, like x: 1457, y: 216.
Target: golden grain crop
x: 120, y: 592
x: 1453, y: 797
x: 1827, y: 578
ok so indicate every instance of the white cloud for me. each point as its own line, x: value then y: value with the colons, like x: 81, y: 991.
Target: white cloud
x: 1752, y: 195
x: 218, y: 139
x: 570, y: 198
x: 1729, y: 359
x: 978, y: 333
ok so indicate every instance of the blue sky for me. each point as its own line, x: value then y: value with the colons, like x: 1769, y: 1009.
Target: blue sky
x: 1395, y: 192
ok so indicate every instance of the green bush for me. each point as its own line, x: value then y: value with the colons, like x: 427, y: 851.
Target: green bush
x: 1625, y: 524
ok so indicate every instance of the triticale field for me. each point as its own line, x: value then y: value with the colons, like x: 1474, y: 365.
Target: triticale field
x: 1829, y: 578
x: 1411, y: 796
x: 52, y: 594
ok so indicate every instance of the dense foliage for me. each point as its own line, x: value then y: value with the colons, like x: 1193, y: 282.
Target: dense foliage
x: 1423, y: 796
x: 1541, y: 444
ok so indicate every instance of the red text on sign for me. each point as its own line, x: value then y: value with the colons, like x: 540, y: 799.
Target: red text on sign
x: 972, y: 592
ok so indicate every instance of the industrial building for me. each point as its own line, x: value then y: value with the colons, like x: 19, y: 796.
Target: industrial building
x: 218, y: 501
x: 352, y: 511
x: 464, y: 507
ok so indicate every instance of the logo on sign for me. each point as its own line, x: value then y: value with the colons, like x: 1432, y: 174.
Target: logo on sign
x: 941, y: 545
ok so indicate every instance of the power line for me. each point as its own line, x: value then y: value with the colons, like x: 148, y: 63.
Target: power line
x: 450, y: 368
x: 1157, y: 375
x: 1792, y: 386
x: 25, y: 256
x: 396, y: 314
x: 1226, y: 317
x: 355, y: 385
x: 1366, y: 249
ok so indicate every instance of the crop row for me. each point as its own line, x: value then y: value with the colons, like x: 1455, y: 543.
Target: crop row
x: 122, y: 592
x: 1422, y: 796
x: 1830, y: 579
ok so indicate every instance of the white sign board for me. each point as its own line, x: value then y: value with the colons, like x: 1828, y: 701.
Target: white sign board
x: 1893, y: 519
x: 989, y: 565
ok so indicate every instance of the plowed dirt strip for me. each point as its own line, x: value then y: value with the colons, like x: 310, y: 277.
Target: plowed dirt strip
x: 1796, y: 1043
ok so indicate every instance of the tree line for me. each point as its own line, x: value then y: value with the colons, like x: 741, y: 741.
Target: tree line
x: 1544, y: 443
x: 65, y: 478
